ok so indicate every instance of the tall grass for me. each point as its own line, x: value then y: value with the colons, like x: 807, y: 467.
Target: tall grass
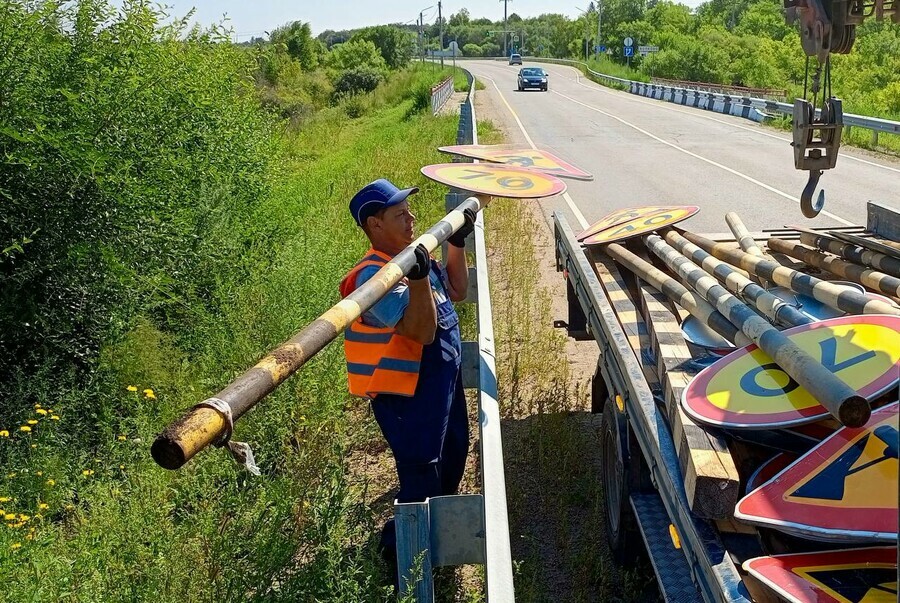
x: 183, y: 240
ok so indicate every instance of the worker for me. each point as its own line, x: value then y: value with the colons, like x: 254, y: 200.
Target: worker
x: 404, y: 353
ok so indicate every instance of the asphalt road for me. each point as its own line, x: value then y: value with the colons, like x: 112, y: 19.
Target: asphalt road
x: 647, y: 152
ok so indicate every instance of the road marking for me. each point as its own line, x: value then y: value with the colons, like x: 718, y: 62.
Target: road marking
x: 667, y: 105
x: 577, y: 212
x: 701, y: 158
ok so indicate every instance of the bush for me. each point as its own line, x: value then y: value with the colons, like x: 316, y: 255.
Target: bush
x: 357, y: 81
x: 132, y: 150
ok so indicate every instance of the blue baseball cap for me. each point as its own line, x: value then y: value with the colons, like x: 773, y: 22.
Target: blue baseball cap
x: 374, y: 197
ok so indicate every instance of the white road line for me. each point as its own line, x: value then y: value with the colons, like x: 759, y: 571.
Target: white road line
x: 700, y: 114
x: 577, y: 212
x: 704, y: 159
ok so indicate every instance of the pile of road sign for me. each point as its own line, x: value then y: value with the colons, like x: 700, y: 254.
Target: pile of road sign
x: 807, y: 400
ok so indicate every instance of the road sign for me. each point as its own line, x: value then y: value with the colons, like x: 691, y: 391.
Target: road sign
x: 646, y: 221
x: 534, y: 159
x: 496, y: 180
x: 620, y: 216
x: 601, y: 48
x: 515, y: 38
x: 629, y: 51
x: 859, y: 575
x: 844, y: 489
x: 645, y: 50
x: 628, y: 42
x: 746, y: 389
x: 769, y: 469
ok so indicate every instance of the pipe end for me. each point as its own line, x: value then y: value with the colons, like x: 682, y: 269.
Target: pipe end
x: 167, y: 454
x: 854, y: 412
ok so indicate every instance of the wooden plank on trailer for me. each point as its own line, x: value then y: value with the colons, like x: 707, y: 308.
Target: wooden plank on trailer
x: 711, y: 479
x: 627, y: 313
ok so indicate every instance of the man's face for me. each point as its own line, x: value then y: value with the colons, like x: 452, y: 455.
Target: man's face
x: 395, y: 227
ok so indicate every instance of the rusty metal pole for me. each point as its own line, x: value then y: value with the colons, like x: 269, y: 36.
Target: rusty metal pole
x: 773, y: 307
x: 835, y: 296
x: 678, y: 293
x: 879, y: 281
x: 837, y: 397
x: 851, y: 252
x: 204, y: 424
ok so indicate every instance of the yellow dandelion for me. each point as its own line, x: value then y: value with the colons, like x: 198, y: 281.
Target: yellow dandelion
x: 87, y: 472
x: 38, y: 516
x: 121, y: 438
x: 121, y: 466
x: 41, y: 411
x: 4, y: 499
x: 15, y: 545
x: 9, y: 516
x: 23, y: 517
x: 131, y: 388
x: 34, y: 445
x: 25, y: 428
x: 32, y: 421
x: 4, y: 433
x: 69, y: 507
x: 43, y: 506
x: 51, y: 482
x: 39, y: 473
x: 55, y: 418
x: 10, y: 475
x: 29, y: 536
x: 37, y: 405
x: 148, y: 393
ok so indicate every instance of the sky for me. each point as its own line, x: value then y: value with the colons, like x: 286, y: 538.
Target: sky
x: 248, y: 19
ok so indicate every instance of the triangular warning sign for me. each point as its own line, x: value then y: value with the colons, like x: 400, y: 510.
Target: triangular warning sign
x: 843, y: 489
x: 848, y: 576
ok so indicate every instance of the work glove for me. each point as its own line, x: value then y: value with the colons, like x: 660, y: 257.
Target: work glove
x: 422, y: 266
x: 458, y: 238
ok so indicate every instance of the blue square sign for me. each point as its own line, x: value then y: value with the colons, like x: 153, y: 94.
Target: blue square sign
x: 629, y: 51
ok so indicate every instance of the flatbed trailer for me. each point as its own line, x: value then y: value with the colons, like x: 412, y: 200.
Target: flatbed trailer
x: 665, y: 477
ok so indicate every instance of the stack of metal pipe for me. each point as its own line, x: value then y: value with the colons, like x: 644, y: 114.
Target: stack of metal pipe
x: 723, y: 287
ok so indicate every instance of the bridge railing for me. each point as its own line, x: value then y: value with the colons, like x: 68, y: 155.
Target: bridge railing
x: 465, y: 529
x: 706, y: 99
x: 440, y: 94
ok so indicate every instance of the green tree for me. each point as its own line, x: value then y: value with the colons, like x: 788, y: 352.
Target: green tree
x: 460, y: 18
x: 396, y: 45
x: 297, y: 39
x: 356, y: 54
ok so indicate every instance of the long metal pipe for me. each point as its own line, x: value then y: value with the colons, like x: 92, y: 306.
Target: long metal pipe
x: 835, y: 296
x: 742, y: 235
x: 837, y: 397
x: 851, y: 252
x: 678, y: 293
x: 770, y: 305
x: 203, y: 425
x: 879, y: 281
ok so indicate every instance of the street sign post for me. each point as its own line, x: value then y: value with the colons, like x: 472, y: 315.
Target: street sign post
x: 629, y: 51
x: 628, y: 42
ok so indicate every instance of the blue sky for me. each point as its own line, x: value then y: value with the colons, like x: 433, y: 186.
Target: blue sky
x: 257, y: 16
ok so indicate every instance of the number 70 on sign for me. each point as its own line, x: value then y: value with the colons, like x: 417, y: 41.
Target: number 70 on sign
x: 496, y: 180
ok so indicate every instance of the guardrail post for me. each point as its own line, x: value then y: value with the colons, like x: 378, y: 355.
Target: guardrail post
x: 874, y: 138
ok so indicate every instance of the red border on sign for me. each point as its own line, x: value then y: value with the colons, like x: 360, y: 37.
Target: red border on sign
x: 767, y: 505
x: 691, y: 210
x: 698, y: 406
x: 777, y: 572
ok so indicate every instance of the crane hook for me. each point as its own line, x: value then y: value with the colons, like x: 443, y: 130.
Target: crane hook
x: 810, y: 209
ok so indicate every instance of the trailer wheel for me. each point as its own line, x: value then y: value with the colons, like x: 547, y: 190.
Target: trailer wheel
x: 622, y: 532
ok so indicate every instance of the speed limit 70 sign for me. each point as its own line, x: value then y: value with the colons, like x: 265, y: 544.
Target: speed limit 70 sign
x: 496, y: 180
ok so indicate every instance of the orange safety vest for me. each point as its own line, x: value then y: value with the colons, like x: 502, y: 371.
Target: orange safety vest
x: 379, y: 361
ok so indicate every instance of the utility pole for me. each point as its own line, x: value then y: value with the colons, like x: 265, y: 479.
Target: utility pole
x: 599, y: 6
x: 421, y: 39
x: 441, y: 23
x: 505, y: 34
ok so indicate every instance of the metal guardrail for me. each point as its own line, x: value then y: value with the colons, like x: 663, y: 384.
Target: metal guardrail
x: 467, y: 528
x: 721, y: 88
x: 440, y: 94
x: 874, y: 124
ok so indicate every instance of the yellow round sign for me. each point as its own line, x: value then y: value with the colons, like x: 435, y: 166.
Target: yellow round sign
x: 620, y: 216
x: 496, y: 180
x: 747, y: 389
x: 535, y: 159
x: 642, y: 224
